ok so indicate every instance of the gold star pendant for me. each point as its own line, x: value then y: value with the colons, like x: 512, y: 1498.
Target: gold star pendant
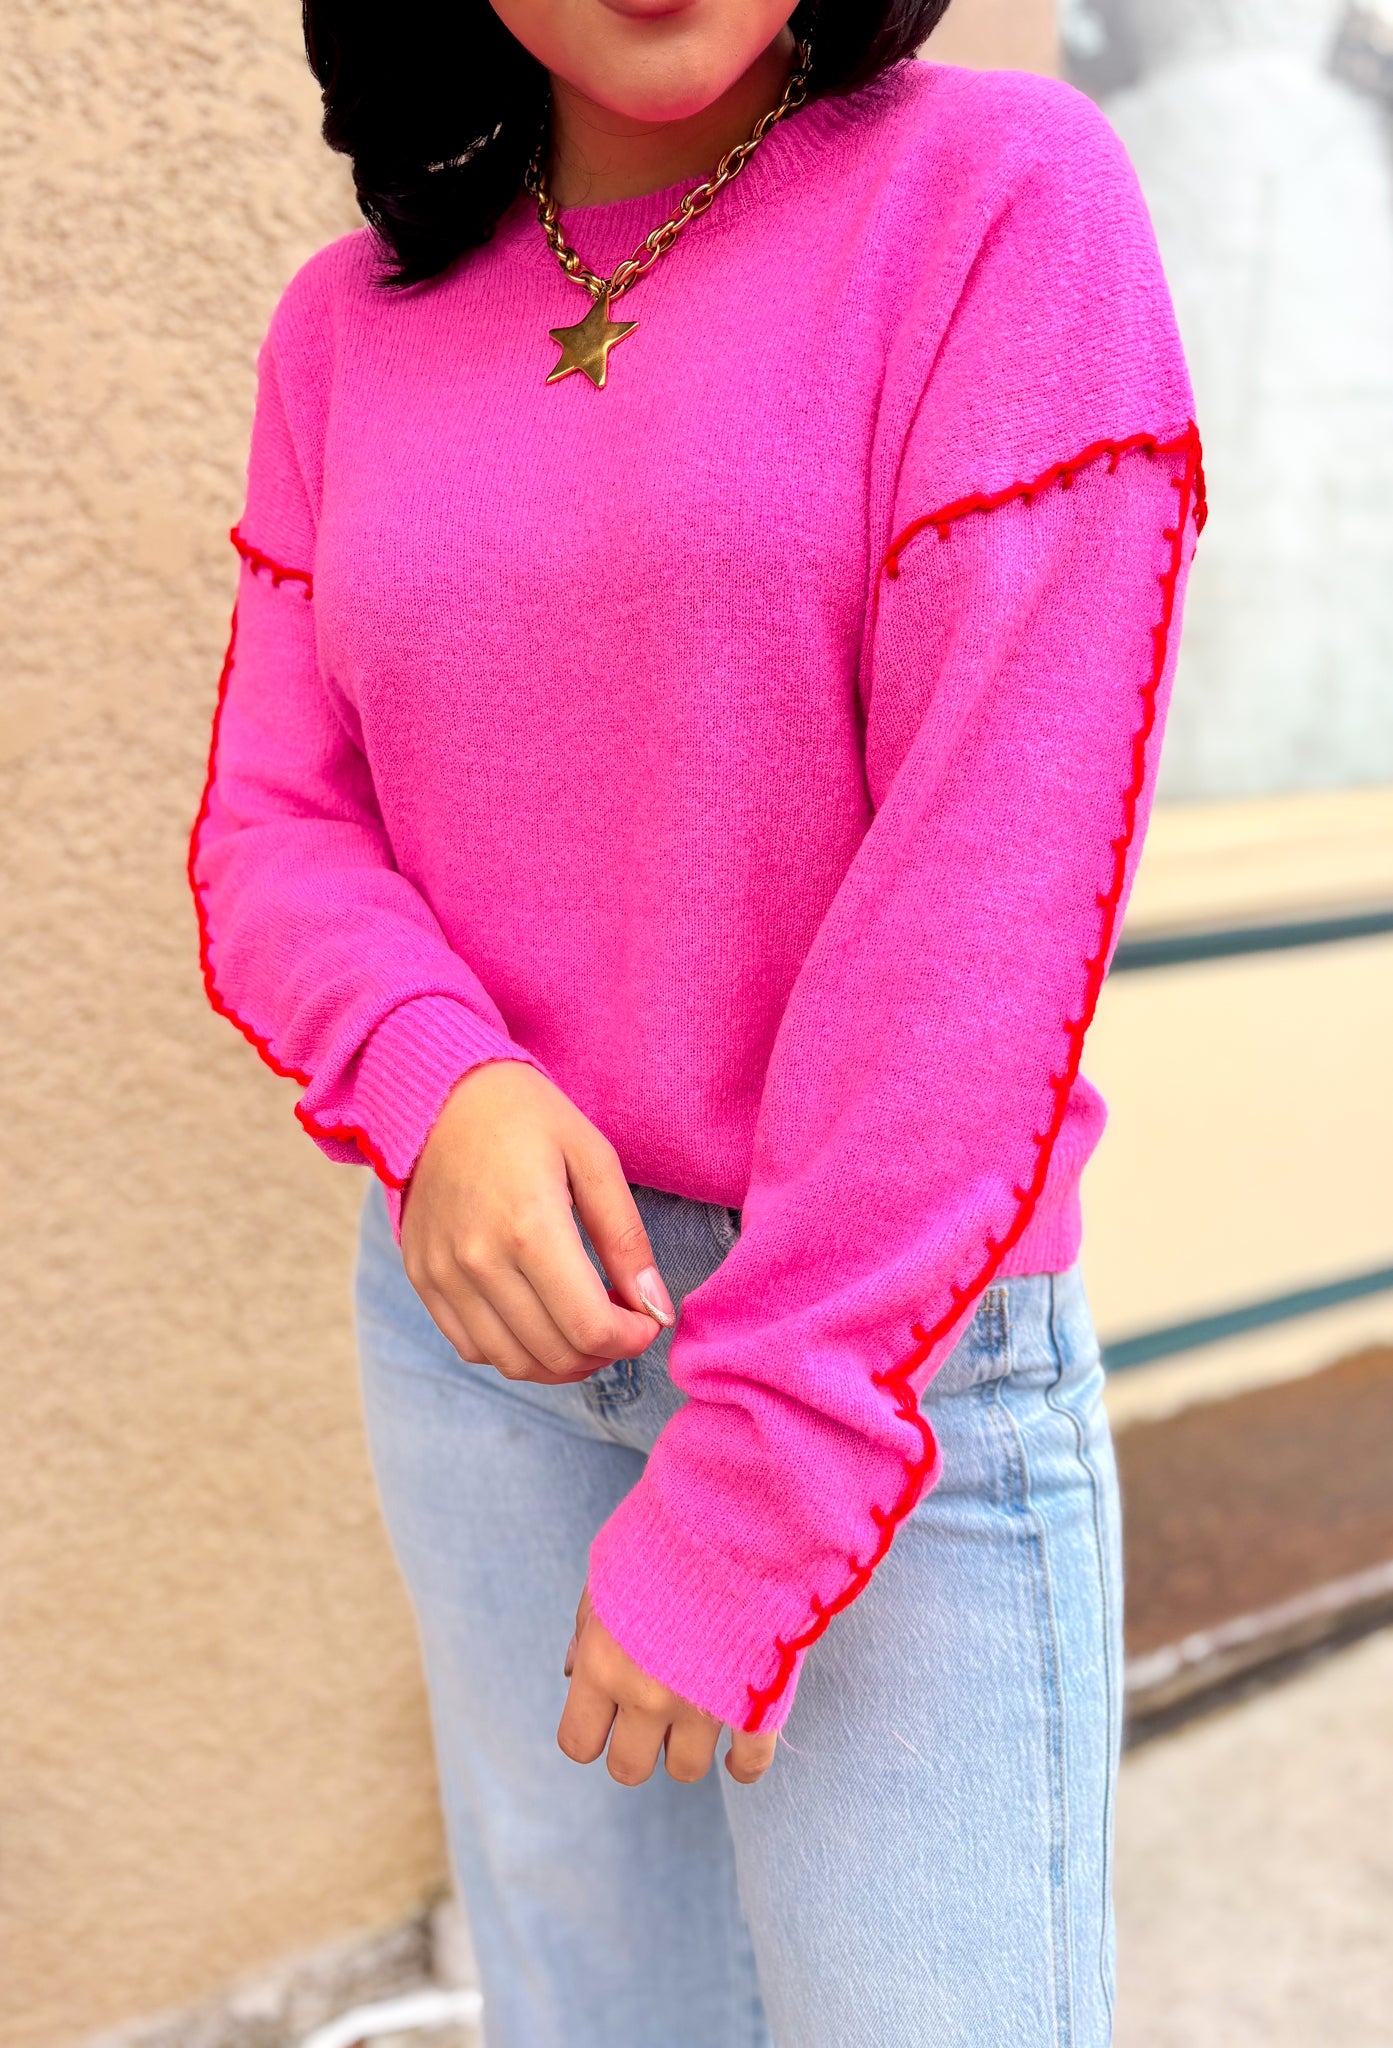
x: 586, y: 346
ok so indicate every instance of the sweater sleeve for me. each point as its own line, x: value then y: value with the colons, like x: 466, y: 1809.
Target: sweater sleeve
x: 1017, y: 667
x: 325, y: 957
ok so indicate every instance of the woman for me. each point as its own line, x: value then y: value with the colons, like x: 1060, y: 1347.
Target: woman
x: 686, y: 739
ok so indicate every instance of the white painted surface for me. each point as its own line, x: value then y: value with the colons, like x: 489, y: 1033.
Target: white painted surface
x: 416, y: 2012
x: 1271, y: 185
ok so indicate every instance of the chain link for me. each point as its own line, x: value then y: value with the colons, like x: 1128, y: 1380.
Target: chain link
x: 692, y: 203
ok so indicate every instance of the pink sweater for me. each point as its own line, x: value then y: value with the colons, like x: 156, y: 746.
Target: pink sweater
x: 760, y: 746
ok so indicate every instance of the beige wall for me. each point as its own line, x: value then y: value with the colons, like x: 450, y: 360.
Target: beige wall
x: 212, y: 1742
x: 1020, y: 35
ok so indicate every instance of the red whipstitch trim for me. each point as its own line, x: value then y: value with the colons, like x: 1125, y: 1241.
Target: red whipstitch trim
x: 1063, y: 474
x: 898, y: 1380
x: 260, y: 564
x: 267, y: 566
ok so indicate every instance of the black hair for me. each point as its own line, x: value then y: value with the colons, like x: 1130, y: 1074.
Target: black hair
x: 440, y: 107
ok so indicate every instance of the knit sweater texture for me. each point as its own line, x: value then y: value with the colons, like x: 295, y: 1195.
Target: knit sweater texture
x: 761, y: 746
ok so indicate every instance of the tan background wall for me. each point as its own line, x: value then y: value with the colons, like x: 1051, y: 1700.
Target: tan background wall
x: 1249, y: 1149
x: 213, y: 1747
x: 1019, y: 35
x: 1270, y: 1068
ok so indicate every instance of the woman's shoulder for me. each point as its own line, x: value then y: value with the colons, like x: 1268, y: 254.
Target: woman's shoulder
x: 1019, y: 216
x: 324, y: 290
x: 993, y: 135
x: 1032, y: 317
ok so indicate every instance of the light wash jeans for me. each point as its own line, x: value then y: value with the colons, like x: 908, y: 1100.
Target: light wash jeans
x: 927, y: 1864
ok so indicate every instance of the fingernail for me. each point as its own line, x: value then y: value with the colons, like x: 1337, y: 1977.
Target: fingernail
x: 655, y: 1297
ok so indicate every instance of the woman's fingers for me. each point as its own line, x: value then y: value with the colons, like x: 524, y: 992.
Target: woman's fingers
x: 508, y: 1354
x: 551, y: 1258
x: 691, y: 1746
x: 486, y: 1280
x: 635, y: 1744
x: 606, y: 1206
x: 750, y: 1756
x: 490, y: 1224
x: 613, y: 1702
x: 514, y: 1305
x: 637, y: 1736
x: 446, y: 1316
x: 481, y: 1337
x: 586, y: 1719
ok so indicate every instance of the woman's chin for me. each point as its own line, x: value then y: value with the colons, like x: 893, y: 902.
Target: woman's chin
x: 666, y: 86
x: 655, y: 111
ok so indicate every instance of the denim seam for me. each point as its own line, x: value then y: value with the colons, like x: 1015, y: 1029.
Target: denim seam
x: 1023, y: 1507
x: 997, y: 1301
x: 605, y: 1396
x: 1107, y: 1603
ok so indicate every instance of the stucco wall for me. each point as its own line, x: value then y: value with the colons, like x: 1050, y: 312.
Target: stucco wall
x: 213, y: 1746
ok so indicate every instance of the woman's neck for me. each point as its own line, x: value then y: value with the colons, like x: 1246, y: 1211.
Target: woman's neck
x: 598, y: 155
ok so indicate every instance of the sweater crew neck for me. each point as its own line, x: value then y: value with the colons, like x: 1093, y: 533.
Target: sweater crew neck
x: 821, y: 130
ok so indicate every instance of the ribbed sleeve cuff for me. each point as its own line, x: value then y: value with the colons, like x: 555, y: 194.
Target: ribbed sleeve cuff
x: 406, y: 1070
x: 687, y: 1614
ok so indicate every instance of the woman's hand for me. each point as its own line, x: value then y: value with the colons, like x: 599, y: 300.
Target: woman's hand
x: 490, y: 1244
x: 612, y: 1701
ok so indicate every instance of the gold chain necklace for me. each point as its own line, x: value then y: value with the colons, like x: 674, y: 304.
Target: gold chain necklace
x: 586, y: 346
